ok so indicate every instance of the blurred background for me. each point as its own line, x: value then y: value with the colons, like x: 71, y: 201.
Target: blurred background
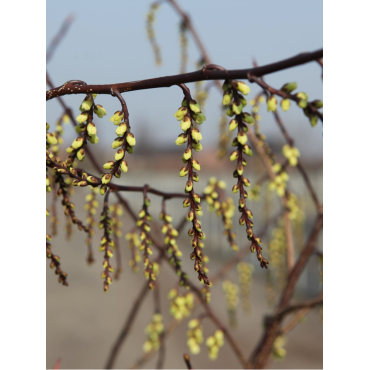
x: 108, y: 43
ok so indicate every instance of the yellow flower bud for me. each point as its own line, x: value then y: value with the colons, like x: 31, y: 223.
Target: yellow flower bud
x: 93, y: 139
x: 117, y: 143
x: 233, y: 125
x: 51, y: 139
x: 185, y: 124
x: 121, y: 129
x: 131, y: 139
x: 181, y: 139
x: 196, y: 135
x: 117, y: 117
x: 285, y: 104
x: 119, y: 154
x: 243, y: 88
x: 228, y: 94
x: 106, y: 178
x: 242, y: 138
x: 195, y: 164
x: 184, y: 171
x: 82, y: 117
x: 187, y: 154
x: 77, y: 143
x: 199, y: 118
x: 81, y: 155
x: 99, y: 111
x: 91, y: 129
x: 86, y: 104
x: 234, y: 155
x: 237, y: 108
x: 181, y: 113
x: 109, y: 165
x: 194, y: 106
x: 271, y: 103
x: 124, y: 166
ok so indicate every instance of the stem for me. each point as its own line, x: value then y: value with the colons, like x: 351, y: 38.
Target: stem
x: 204, y: 74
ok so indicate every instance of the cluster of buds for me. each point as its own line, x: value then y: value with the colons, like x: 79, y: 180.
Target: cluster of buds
x: 280, y: 181
x: 224, y: 207
x: 214, y: 343
x: 195, y: 336
x: 233, y: 97
x: 224, y: 135
x: 150, y: 19
x: 255, y: 103
x: 277, y: 254
x: 116, y: 211
x: 86, y: 128
x: 50, y: 138
x: 65, y: 191
x: 310, y: 114
x: 91, y: 206
x: 180, y: 305
x: 245, y: 271
x: 170, y: 235
x: 143, y: 223
x: 291, y: 153
x: 59, y: 136
x: 189, y: 112
x: 231, y: 291
x: 106, y: 245
x: 134, y: 244
x: 153, y: 332
x: 295, y: 209
x: 55, y: 261
x: 278, y: 350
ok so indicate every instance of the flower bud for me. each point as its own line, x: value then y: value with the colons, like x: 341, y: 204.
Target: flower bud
x: 117, y: 142
x: 188, y: 186
x: 124, y: 166
x: 109, y: 165
x: 106, y: 178
x: 247, y: 118
x: 117, y: 174
x: 119, y: 154
x: 187, y: 154
x: 92, y: 179
x: 289, y: 87
x: 197, y: 146
x: 242, y: 138
x: 117, y: 117
x: 195, y: 177
x: 233, y: 125
x: 185, y: 124
x: 226, y: 85
x: 246, y: 182
x: 195, y: 164
x: 313, y: 120
x: 234, y: 155
x: 196, y: 135
x: 181, y: 139
x: 317, y: 103
x: 121, y: 129
x: 194, y: 106
x: 190, y: 216
x: 235, y: 188
x: 302, y: 95
x: 93, y: 139
x: 247, y: 150
x: 82, y: 117
x: 91, y: 129
x: 47, y: 127
x: 271, y: 103
x: 196, y: 197
x: 243, y: 100
x: 243, y: 88
x: 285, y: 104
x: 228, y: 94
x: 302, y: 103
x: 181, y: 113
x: 99, y: 110
x: 131, y: 139
x: 77, y: 143
x: 237, y: 108
x: 103, y: 189
x: 86, y: 104
x: 199, y: 118
x: 229, y: 111
x: 184, y: 171
x: 239, y: 169
x: 186, y: 203
x: 51, y: 139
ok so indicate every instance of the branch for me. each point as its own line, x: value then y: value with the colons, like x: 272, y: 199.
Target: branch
x: 72, y: 87
x: 59, y: 36
x: 263, y: 349
x: 187, y: 361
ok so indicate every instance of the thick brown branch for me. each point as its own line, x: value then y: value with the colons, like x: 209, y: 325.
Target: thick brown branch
x: 201, y: 75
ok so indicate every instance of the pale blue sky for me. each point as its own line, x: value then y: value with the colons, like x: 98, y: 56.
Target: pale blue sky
x: 107, y: 43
